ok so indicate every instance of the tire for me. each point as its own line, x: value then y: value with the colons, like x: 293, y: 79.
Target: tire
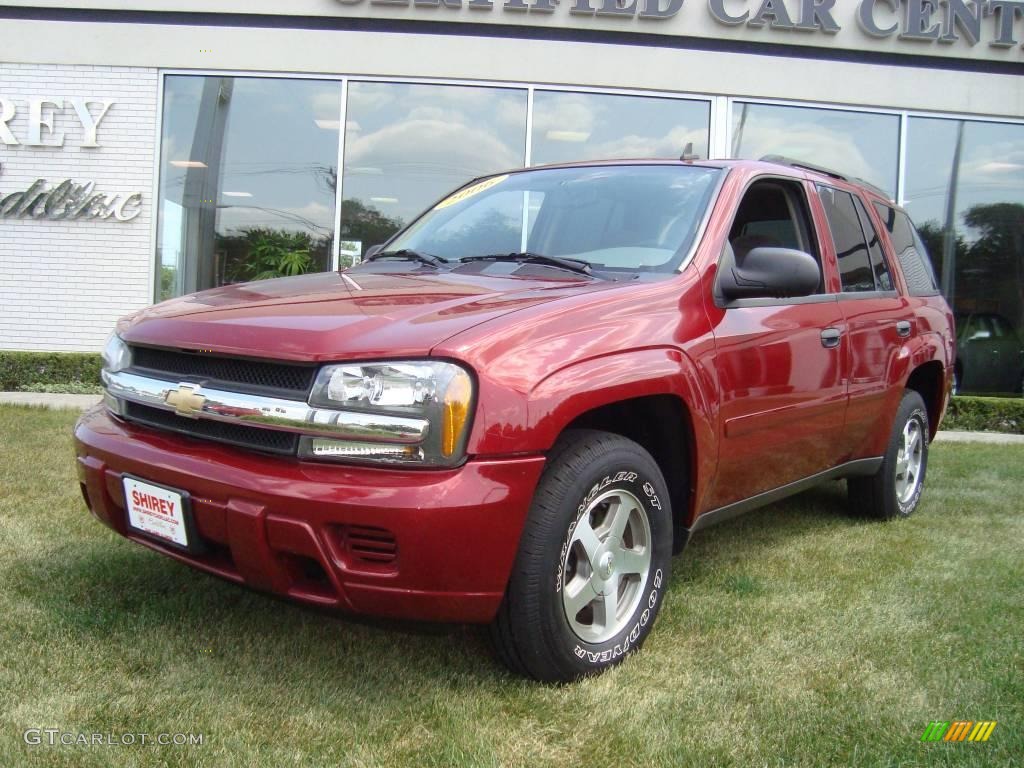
x: 895, y: 490
x: 572, y: 559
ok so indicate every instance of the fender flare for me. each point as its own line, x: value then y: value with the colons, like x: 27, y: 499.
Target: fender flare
x: 568, y: 393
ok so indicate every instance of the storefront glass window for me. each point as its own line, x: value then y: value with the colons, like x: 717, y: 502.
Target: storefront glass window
x: 594, y: 126
x: 861, y: 144
x: 406, y: 145
x: 965, y: 191
x: 247, y: 180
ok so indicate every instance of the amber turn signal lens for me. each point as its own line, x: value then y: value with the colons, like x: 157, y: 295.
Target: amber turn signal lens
x: 456, y: 412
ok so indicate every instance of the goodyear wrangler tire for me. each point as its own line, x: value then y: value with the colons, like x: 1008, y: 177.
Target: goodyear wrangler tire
x: 593, y: 562
x: 895, y: 490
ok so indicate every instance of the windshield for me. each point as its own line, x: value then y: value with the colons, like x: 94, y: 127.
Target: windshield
x: 631, y: 218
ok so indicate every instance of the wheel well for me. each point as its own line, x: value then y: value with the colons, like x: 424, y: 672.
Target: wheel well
x: 661, y: 424
x: 927, y: 381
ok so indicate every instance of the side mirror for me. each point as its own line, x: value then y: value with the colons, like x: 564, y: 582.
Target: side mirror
x: 767, y: 273
x: 373, y: 250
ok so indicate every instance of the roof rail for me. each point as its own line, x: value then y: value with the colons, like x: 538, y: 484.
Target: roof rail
x: 788, y: 161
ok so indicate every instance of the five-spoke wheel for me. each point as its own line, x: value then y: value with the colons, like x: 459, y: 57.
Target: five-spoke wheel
x: 606, y: 566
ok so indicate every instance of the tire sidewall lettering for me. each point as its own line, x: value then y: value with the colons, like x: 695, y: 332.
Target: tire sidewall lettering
x: 623, y: 646
x: 634, y: 632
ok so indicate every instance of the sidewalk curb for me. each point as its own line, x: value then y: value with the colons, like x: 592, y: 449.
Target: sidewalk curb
x: 999, y: 438
x: 49, y: 400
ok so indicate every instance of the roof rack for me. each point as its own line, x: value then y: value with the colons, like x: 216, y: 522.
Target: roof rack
x: 790, y: 162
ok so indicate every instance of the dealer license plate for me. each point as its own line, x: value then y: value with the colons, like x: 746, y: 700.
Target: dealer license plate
x: 157, y: 511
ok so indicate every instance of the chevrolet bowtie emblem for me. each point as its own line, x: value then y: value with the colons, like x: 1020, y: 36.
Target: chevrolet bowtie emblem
x: 185, y: 401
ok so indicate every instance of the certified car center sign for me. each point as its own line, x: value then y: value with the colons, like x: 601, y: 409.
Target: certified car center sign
x: 911, y: 25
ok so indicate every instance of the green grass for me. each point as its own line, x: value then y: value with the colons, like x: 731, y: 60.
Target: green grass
x: 794, y: 636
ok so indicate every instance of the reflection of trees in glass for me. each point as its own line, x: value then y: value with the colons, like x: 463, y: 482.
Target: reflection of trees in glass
x: 495, y: 232
x: 168, y: 280
x: 366, y: 224
x: 990, y: 269
x: 261, y: 253
x: 934, y: 236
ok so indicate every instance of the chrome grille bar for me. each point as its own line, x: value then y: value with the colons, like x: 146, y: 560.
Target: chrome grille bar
x: 198, y: 402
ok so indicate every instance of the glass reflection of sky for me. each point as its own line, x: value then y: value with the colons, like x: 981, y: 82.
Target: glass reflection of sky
x: 406, y: 145
x: 860, y: 144
x: 591, y: 126
x: 991, y: 168
x: 280, y: 149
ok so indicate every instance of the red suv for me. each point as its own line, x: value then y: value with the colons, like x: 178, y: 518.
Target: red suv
x: 522, y: 406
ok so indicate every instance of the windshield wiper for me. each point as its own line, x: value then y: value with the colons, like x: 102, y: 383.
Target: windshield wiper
x: 578, y: 266
x: 408, y: 254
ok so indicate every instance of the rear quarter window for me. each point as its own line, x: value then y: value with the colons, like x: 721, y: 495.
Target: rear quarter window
x: 913, y: 256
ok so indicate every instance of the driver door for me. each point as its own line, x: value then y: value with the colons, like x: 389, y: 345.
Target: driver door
x: 778, y: 362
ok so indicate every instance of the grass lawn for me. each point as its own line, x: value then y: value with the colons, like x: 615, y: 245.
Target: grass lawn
x: 794, y: 636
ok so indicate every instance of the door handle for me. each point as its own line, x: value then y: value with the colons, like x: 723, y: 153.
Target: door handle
x: 830, y: 337
x: 903, y: 328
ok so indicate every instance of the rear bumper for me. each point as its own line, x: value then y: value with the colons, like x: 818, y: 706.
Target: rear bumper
x: 430, y: 545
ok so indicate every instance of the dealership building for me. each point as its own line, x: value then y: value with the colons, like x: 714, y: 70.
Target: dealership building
x: 151, y: 149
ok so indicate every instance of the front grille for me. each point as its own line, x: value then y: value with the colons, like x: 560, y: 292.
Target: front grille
x: 284, y: 379
x: 255, y: 438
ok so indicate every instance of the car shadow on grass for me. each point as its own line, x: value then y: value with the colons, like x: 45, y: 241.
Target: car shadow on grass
x: 114, y: 593
x: 111, y: 592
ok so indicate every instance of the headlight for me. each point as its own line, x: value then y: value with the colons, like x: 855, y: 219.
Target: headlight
x: 116, y: 355
x: 440, y: 393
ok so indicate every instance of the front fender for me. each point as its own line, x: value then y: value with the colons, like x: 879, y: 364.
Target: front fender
x: 565, y: 395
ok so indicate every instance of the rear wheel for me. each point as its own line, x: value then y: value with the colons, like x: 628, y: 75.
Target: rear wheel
x: 593, y: 562
x: 895, y: 490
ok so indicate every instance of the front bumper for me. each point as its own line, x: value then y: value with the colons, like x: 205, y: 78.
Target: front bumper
x: 436, y: 545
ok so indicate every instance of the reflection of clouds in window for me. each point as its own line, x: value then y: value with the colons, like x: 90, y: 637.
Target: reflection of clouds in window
x: 989, y: 162
x: 407, y: 144
x: 562, y: 112
x: 326, y: 105
x: 369, y: 97
x: 669, y: 145
x: 855, y: 143
x: 428, y: 146
x: 591, y: 126
x: 991, y: 167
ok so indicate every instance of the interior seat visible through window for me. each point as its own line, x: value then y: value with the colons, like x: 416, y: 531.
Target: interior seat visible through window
x: 772, y: 214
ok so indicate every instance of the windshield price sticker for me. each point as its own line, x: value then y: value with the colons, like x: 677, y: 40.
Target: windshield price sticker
x: 468, y: 192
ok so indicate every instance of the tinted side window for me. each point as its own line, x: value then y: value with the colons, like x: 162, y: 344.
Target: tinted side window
x: 882, y: 278
x: 851, y: 248
x: 917, y: 268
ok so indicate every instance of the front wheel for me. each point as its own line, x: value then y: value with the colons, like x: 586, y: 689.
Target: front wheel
x: 593, y: 561
x: 895, y: 490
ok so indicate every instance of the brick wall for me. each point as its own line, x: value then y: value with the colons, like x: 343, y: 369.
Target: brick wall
x: 64, y: 283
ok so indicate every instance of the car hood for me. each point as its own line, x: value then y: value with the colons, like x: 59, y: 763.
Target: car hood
x: 343, y: 315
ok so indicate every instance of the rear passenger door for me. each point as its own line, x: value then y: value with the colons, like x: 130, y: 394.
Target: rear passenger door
x: 876, y: 318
